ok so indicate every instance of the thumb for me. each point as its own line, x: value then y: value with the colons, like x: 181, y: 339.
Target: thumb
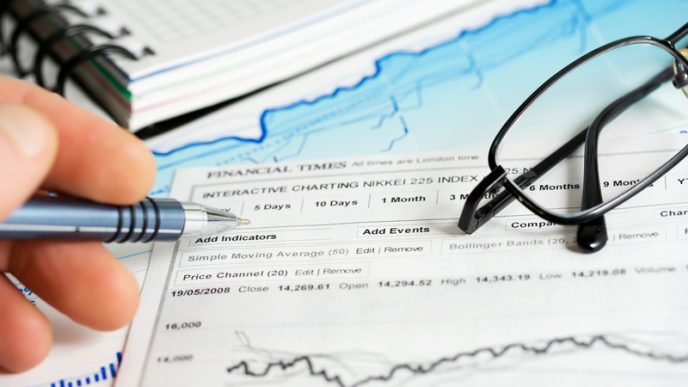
x: 28, y: 143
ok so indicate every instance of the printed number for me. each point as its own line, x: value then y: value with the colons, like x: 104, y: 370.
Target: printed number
x: 175, y: 358
x: 183, y: 325
x: 421, y: 180
x: 200, y: 292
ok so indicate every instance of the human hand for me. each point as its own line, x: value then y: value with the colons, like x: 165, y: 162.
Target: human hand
x: 48, y: 143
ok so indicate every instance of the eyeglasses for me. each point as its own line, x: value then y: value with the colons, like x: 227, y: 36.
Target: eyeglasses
x: 629, y: 87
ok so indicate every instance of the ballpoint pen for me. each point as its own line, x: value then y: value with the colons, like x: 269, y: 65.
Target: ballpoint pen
x: 60, y: 217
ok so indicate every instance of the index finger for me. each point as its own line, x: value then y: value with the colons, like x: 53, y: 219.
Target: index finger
x: 95, y: 159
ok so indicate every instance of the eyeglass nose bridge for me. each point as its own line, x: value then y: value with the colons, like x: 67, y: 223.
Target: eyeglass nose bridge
x: 472, y: 215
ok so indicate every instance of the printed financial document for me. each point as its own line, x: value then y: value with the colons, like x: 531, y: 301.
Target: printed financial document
x: 450, y: 81
x: 354, y: 273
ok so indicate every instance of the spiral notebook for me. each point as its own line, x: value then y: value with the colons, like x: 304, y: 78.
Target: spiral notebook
x: 146, y: 61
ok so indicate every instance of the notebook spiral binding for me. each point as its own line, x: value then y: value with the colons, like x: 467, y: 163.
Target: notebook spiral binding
x: 45, y: 45
x: 79, y: 31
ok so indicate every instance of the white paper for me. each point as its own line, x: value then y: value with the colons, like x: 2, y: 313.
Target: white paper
x: 354, y: 273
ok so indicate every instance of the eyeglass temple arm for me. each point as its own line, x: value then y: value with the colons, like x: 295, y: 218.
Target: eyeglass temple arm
x: 678, y: 34
x: 473, y: 217
x: 592, y: 236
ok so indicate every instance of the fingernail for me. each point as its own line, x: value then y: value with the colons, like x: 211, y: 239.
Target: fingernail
x: 26, y: 130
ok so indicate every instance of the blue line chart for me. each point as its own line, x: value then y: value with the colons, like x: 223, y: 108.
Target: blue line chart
x: 401, y: 137
x: 450, y: 94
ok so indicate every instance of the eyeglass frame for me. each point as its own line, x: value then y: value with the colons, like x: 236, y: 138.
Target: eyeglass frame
x: 591, y: 234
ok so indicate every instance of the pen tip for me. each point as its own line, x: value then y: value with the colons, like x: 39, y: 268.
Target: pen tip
x: 243, y: 222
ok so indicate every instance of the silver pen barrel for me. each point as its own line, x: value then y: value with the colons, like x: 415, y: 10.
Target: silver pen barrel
x: 59, y: 217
